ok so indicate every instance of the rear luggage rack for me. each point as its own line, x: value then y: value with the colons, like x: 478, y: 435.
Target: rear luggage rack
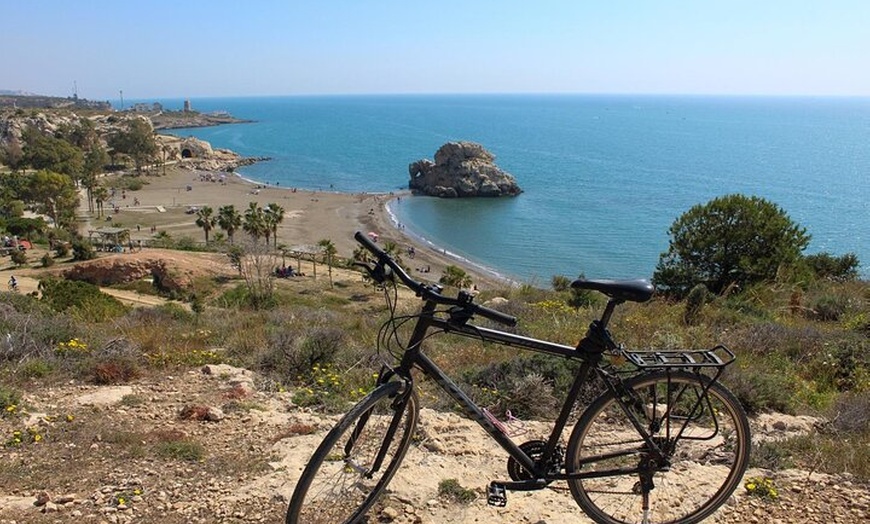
x: 718, y: 357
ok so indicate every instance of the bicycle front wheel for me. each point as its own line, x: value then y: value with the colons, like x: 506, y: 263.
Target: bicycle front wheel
x: 356, y: 460
x: 701, y: 429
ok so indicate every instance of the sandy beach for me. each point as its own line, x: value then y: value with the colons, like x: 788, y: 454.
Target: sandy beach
x: 309, y: 216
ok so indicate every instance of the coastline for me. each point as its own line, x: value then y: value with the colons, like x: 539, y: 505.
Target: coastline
x: 309, y: 216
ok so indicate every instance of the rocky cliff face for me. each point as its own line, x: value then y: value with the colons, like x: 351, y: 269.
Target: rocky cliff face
x: 194, y: 154
x: 461, y: 169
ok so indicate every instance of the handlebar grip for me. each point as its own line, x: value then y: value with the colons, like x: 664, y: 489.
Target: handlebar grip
x: 368, y: 244
x: 497, y: 316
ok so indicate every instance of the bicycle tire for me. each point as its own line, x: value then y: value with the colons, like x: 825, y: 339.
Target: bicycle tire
x: 707, y: 464
x: 333, y: 488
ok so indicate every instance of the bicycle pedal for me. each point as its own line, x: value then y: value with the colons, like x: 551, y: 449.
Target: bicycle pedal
x: 496, y: 495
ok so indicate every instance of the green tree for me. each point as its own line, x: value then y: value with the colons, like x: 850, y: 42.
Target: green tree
x: 254, y: 222
x: 455, y: 276
x: 229, y: 220
x: 731, y: 240
x: 55, y: 195
x: 12, y: 154
x: 329, y: 252
x: 827, y: 266
x: 95, y: 161
x: 101, y: 195
x: 137, y: 141
x: 274, y: 215
x: 52, y: 154
x: 206, y: 220
x: 26, y: 227
x: 82, y: 133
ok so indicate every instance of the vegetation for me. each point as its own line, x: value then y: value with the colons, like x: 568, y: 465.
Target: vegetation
x: 206, y: 220
x: 230, y: 220
x: 137, y: 142
x: 796, y: 354
x: 453, y: 491
x: 732, y: 240
x: 455, y: 276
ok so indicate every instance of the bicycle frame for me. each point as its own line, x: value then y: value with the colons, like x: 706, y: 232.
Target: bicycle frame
x: 414, y: 357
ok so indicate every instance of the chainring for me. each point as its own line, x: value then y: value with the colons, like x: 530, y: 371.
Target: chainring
x: 535, y: 450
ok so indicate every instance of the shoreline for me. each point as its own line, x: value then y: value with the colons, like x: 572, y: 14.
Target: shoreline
x: 421, y: 240
x: 309, y: 216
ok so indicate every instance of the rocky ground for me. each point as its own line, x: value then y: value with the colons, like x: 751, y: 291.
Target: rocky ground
x: 219, y: 445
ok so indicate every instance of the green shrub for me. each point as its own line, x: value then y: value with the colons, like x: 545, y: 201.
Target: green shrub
x: 31, y: 331
x: 181, y: 449
x: 695, y: 301
x: 830, y: 308
x: 827, y: 266
x: 61, y: 249
x: 761, y: 388
x: 452, y: 490
x: 83, y: 250
x: 19, y: 258
x: 851, y: 413
x: 80, y: 299
x: 10, y: 402
x: 36, y: 368
x: 560, y: 283
x: 296, y: 352
x: 47, y: 260
x: 762, y: 487
x: 770, y: 455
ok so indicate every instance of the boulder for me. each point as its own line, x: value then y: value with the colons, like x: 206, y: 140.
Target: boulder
x: 461, y: 169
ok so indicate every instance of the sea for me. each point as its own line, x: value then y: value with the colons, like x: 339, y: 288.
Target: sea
x: 604, y: 176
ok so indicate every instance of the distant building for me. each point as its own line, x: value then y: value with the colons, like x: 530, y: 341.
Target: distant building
x: 142, y: 107
x: 187, y: 108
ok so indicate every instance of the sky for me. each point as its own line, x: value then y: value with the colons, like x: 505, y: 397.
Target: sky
x: 210, y: 48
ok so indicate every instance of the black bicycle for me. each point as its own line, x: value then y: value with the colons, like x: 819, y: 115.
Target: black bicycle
x: 664, y: 442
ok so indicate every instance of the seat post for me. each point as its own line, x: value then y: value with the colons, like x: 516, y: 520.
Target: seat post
x: 608, y: 311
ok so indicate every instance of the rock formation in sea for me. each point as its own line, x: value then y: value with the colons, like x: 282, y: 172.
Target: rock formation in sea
x: 461, y: 169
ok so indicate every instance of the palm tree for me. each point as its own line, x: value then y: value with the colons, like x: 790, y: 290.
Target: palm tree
x: 101, y: 194
x: 361, y: 254
x: 229, y: 220
x: 254, y: 222
x: 205, y: 220
x: 392, y: 249
x: 275, y: 214
x: 329, y: 252
x: 455, y: 276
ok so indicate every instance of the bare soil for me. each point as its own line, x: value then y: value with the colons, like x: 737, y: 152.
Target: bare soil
x: 102, y: 458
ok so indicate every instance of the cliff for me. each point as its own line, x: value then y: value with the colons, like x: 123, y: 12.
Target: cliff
x: 461, y: 169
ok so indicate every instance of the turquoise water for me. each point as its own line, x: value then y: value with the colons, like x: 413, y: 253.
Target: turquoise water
x: 604, y: 176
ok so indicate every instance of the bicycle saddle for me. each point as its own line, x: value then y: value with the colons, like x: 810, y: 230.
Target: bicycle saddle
x: 637, y: 290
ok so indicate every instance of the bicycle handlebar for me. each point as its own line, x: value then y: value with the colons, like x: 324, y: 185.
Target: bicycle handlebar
x: 428, y: 292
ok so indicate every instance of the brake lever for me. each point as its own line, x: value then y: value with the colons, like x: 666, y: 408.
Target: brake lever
x: 378, y: 272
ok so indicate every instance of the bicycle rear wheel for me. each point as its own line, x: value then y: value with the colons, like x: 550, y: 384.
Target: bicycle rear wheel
x: 700, y: 425
x: 342, y: 481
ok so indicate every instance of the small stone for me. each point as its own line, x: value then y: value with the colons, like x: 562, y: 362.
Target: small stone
x: 65, y: 499
x: 42, y: 498
x: 390, y: 513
